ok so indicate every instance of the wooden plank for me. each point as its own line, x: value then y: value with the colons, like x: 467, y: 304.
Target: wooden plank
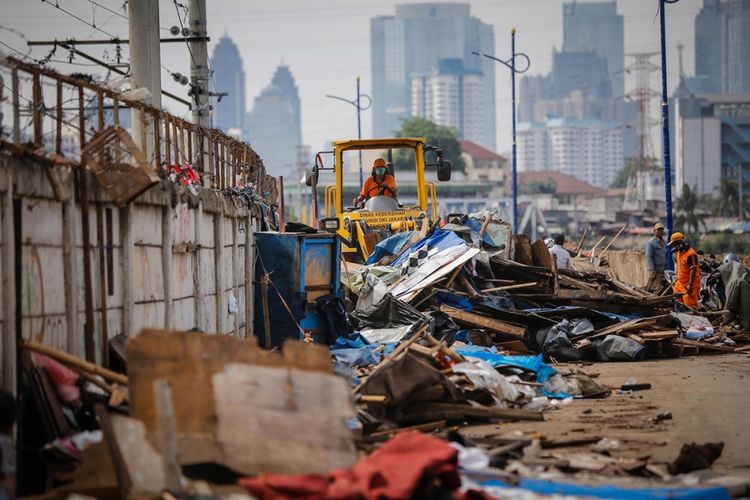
x: 167, y: 434
x: 511, y: 287
x: 702, y: 345
x: 189, y: 361
x: 478, y: 321
x: 74, y: 362
x: 540, y: 254
x: 453, y: 410
x: 660, y: 335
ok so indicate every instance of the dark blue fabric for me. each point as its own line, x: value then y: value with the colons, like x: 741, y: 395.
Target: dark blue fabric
x: 389, y: 246
x: 453, y: 300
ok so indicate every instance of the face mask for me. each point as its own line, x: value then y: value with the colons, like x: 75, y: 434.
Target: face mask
x: 379, y: 171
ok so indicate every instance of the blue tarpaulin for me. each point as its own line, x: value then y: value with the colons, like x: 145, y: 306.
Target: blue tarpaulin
x: 389, y: 246
x: 439, y: 239
x: 453, y: 300
x: 532, y: 363
x: 548, y: 487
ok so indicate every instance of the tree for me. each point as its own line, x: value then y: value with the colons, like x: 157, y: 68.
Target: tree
x: 546, y: 186
x: 685, y: 207
x: 445, y: 138
x: 621, y: 179
x: 727, y: 202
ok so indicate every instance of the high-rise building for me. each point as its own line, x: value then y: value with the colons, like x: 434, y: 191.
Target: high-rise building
x: 410, y: 43
x: 228, y: 76
x: 451, y: 96
x: 284, y: 80
x: 736, y: 69
x: 722, y: 45
x: 708, y: 44
x: 597, y: 27
x: 273, y: 125
x: 711, y: 132
x: 590, y: 150
x: 584, y: 71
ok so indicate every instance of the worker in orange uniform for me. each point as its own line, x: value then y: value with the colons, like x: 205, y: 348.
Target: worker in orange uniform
x: 688, y: 273
x: 379, y: 184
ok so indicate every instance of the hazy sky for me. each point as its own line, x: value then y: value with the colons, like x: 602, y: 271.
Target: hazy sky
x: 326, y: 44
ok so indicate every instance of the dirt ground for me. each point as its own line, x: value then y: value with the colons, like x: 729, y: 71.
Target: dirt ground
x: 708, y: 397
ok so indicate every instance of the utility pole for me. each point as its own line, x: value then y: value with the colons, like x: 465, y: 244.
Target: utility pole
x: 665, y: 123
x: 357, y: 103
x: 199, y: 75
x: 145, y: 65
x: 511, y: 65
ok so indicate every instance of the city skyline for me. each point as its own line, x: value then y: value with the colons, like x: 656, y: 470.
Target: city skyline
x: 328, y: 61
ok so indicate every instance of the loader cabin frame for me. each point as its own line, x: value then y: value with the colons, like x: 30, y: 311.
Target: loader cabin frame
x: 352, y: 223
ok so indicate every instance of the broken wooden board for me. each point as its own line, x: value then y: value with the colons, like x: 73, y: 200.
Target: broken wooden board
x: 660, y: 335
x: 479, y: 321
x: 189, y: 362
x: 523, y: 249
x: 702, y: 345
x: 283, y: 421
x: 540, y: 254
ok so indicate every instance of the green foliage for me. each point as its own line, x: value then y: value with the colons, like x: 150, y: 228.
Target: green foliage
x: 686, y: 217
x: 545, y: 186
x: 445, y: 138
x: 621, y: 179
x: 725, y: 205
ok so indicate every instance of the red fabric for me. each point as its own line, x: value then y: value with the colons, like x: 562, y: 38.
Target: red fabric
x: 392, y: 472
x: 63, y: 377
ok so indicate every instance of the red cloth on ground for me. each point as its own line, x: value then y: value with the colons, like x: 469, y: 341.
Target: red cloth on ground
x: 392, y: 472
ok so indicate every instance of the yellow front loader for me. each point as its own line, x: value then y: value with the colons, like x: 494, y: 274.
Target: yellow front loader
x: 361, y: 228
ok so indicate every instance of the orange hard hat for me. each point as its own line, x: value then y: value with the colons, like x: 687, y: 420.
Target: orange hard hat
x: 379, y: 162
x: 676, y: 237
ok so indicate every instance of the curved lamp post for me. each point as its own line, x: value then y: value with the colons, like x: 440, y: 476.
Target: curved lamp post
x: 511, y: 65
x: 357, y: 103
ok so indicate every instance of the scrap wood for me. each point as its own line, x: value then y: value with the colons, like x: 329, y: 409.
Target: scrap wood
x: 627, y: 326
x: 479, y: 321
x: 702, y: 345
x: 457, y: 411
x: 429, y: 426
x: 583, y: 240
x: 615, y: 238
x: 658, y: 335
x: 75, y: 362
x: 511, y: 287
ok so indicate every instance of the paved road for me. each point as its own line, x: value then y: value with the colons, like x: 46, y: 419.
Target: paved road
x: 708, y: 397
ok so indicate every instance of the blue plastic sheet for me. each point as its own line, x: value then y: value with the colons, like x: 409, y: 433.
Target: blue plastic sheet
x: 389, y: 246
x: 439, y: 239
x: 535, y: 364
x: 547, y: 487
x: 354, y: 350
x: 453, y: 300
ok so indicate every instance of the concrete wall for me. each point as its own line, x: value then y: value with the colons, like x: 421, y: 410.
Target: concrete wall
x: 170, y: 260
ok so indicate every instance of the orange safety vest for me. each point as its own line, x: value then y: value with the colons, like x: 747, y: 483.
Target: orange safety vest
x: 686, y: 261
x: 373, y: 188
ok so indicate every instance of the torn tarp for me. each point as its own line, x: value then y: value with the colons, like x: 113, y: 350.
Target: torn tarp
x: 388, y: 313
x: 392, y: 245
x: 439, y: 239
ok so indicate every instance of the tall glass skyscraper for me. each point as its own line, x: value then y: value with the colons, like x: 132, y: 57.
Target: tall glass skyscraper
x: 722, y: 45
x: 411, y: 43
x: 597, y: 27
x: 274, y: 128
x: 228, y: 76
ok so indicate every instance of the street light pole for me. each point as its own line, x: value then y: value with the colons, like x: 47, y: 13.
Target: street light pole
x: 665, y: 122
x: 511, y: 65
x: 357, y: 103
x: 514, y: 169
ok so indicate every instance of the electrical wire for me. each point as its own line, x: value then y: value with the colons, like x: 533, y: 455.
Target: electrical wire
x: 57, y: 6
